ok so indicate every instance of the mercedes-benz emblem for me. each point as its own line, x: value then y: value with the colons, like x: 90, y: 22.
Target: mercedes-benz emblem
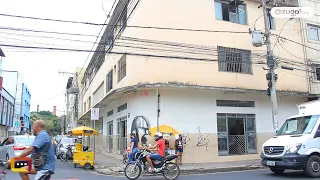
x: 270, y: 149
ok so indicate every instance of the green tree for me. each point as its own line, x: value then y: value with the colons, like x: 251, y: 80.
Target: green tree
x: 53, y: 123
x: 33, y: 117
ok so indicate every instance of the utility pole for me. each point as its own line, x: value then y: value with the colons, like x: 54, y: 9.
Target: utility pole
x: 271, y: 76
x: 67, y: 113
x: 73, y: 90
x: 158, y: 108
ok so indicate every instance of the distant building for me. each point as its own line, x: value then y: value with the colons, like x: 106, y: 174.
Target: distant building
x: 6, y: 112
x: 25, y: 106
x: 13, y: 82
x: 10, y: 83
x: 73, y: 100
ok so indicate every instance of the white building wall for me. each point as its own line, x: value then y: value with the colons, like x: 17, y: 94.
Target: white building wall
x: 186, y: 110
x: 137, y: 106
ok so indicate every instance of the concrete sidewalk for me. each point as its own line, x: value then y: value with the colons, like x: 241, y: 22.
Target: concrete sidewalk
x: 110, y: 165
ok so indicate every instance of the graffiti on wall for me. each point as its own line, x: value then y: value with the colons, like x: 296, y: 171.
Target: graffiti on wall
x: 144, y: 132
x: 185, y: 139
x: 203, y: 140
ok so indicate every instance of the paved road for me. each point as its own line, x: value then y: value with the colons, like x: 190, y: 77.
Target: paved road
x: 249, y: 175
x: 66, y: 171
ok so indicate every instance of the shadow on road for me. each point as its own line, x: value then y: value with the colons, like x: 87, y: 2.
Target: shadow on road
x: 289, y: 174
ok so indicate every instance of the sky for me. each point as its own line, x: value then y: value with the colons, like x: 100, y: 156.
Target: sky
x: 40, y: 68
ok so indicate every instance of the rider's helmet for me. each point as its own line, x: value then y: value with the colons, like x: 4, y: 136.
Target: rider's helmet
x: 158, y: 136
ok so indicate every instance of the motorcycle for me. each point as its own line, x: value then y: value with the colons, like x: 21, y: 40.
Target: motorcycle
x: 133, y: 170
x: 65, y: 156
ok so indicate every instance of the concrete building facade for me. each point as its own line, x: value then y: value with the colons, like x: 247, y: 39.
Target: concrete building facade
x: 25, y: 106
x: 211, y: 84
x: 6, y: 111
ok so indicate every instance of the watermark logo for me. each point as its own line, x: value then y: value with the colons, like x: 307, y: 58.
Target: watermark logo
x: 292, y: 12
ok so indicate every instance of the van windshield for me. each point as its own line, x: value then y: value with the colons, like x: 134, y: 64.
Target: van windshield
x: 298, y: 125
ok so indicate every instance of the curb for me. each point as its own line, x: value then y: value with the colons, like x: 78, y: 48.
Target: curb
x: 218, y: 170
x: 110, y: 171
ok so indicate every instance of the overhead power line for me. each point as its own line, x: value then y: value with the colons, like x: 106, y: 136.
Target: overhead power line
x: 119, y: 53
x: 132, y: 26
x: 90, y: 35
x: 150, y: 44
x: 47, y: 37
x: 297, y: 42
x: 60, y: 93
x: 41, y: 31
x: 48, y: 19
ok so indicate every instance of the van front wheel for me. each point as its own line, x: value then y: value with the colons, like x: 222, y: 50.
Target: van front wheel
x: 276, y: 170
x: 313, y: 166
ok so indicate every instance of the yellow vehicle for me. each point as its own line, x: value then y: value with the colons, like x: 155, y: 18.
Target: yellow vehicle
x: 82, y: 155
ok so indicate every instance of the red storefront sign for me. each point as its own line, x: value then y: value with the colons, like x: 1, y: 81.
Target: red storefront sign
x: 144, y: 93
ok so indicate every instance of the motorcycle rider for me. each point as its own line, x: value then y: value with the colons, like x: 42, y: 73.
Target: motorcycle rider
x: 160, y: 147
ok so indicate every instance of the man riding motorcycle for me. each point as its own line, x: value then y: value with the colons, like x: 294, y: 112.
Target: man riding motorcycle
x: 159, y: 147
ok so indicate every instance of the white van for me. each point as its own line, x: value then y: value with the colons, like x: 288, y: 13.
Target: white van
x: 297, y: 143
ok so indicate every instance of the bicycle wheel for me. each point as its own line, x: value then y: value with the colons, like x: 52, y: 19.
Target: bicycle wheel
x: 63, y: 157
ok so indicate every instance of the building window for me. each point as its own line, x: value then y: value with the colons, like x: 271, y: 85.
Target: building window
x: 84, y: 107
x: 89, y: 102
x: 316, y: 70
x: 122, y: 133
x: 110, y: 113
x: 109, y: 80
x: 234, y: 60
x: 12, y: 115
x: 8, y: 115
x: 3, y: 109
x: 230, y: 12
x: 236, y: 134
x: 121, y: 24
x: 235, y: 103
x: 109, y: 136
x: 122, y: 67
x: 313, y: 32
x: 109, y: 43
x: 122, y: 107
x: 98, y: 94
x: 5, y: 112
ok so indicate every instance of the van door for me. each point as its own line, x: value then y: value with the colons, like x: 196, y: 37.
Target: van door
x: 315, y: 142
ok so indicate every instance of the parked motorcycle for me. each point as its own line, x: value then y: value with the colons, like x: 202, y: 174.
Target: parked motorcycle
x: 133, y: 170
x: 65, y: 156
